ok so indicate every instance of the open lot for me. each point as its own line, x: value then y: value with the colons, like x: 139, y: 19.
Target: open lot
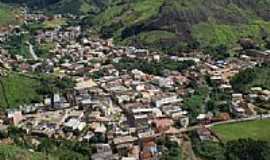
x: 259, y: 130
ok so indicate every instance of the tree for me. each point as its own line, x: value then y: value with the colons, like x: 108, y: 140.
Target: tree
x: 247, y: 149
x: 247, y: 43
x: 219, y: 52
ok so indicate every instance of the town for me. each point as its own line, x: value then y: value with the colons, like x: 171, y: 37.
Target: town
x: 124, y: 99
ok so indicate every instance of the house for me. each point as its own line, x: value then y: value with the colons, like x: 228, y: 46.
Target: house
x: 205, y: 134
x: 74, y: 125
x: 57, y: 103
x: 237, y: 97
x: 124, y: 140
x: 239, y: 112
x: 85, y: 84
x: 14, y: 117
x: 162, y: 124
x: 123, y: 144
x: 165, y: 82
x: 102, y: 148
x: 167, y: 100
x: 129, y: 158
x: 149, y: 151
x: 103, y: 156
x: 204, y: 118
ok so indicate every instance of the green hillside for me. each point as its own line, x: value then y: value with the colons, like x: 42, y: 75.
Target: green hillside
x: 18, y: 90
x: 160, y: 23
x: 8, y: 15
x: 62, y: 6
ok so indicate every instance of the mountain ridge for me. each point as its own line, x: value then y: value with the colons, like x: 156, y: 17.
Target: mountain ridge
x: 169, y: 25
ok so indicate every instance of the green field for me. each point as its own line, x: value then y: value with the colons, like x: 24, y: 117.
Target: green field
x: 259, y: 130
x: 18, y: 90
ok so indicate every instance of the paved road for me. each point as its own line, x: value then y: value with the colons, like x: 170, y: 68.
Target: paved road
x: 32, y: 52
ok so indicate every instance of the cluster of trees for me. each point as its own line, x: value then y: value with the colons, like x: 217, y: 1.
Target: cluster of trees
x: 63, y: 149
x: 33, y: 3
x: 196, y: 102
x: 155, y: 68
x: 219, y: 52
x: 16, y: 44
x: 258, y: 76
x: 170, y: 149
x: 58, y: 149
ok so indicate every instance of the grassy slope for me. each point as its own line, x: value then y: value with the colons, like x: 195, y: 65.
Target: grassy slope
x: 8, y: 152
x: 129, y: 13
x: 7, y: 15
x: 54, y: 23
x: 255, y: 129
x: 19, y: 90
x: 77, y: 7
x: 215, y: 34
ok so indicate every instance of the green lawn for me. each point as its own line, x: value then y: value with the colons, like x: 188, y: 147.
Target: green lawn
x: 259, y: 130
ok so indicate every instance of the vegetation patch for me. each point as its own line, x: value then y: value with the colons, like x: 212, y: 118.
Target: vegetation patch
x: 11, y: 152
x: 255, y: 77
x: 54, y: 23
x: 155, y: 68
x: 8, y: 15
x: 226, y: 34
x: 17, y: 45
x: 18, y: 89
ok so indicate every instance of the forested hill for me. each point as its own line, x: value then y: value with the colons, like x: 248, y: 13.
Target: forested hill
x: 168, y: 24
